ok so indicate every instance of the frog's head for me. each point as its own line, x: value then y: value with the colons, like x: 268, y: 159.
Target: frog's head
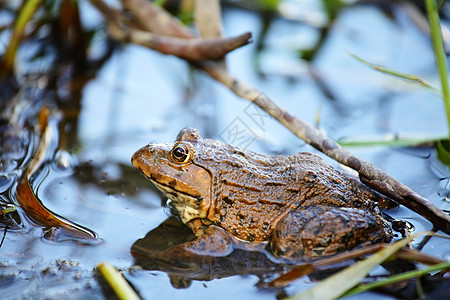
x: 172, y: 169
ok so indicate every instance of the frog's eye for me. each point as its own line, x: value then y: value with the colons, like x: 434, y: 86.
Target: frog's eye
x: 180, y: 153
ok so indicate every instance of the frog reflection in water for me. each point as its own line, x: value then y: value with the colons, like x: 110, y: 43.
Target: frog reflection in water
x: 295, y: 206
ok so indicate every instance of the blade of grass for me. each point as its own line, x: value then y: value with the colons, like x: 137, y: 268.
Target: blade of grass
x: 442, y: 152
x: 404, y: 76
x: 396, y: 278
x: 8, y: 208
x: 438, y: 46
x: 337, y: 284
x: 25, y: 15
x: 115, y: 280
x: 441, y: 4
x: 388, y: 141
x: 419, y: 289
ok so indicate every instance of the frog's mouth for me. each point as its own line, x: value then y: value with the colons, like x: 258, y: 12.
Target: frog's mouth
x: 187, y: 205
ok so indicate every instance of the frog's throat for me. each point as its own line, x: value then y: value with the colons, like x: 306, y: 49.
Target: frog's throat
x: 187, y: 206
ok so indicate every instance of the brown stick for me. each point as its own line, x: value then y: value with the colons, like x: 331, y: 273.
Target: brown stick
x: 189, y: 49
x: 155, y: 19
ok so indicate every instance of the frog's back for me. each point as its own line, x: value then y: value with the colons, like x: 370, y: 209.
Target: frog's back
x: 304, y: 178
x: 253, y: 191
x: 319, y: 183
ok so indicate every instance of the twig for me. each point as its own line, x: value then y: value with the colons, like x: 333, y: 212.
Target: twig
x: 111, y: 15
x: 171, y: 38
x: 189, y: 49
x: 156, y: 20
x: 417, y: 256
x: 4, y: 235
x: 208, y: 19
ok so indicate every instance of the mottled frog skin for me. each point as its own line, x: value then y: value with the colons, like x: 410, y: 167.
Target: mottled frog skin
x: 298, y: 205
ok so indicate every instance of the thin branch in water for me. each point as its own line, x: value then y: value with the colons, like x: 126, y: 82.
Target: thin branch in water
x: 4, y: 235
x: 426, y: 239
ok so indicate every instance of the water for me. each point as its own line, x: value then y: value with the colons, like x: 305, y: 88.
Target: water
x: 141, y: 96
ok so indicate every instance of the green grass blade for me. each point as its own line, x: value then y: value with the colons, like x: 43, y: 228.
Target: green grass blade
x: 442, y: 153
x: 339, y: 283
x: 7, y: 209
x: 438, y: 46
x: 404, y: 76
x: 388, y: 141
x: 396, y: 278
x: 25, y: 15
x: 118, y: 284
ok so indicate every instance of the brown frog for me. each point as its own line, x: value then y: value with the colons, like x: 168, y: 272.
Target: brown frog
x: 298, y: 206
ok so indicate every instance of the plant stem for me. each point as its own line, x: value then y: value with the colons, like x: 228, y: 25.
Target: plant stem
x: 396, y: 278
x: 441, y: 62
x: 115, y: 280
x: 25, y: 15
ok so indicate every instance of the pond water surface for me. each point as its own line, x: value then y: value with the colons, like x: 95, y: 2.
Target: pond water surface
x: 141, y: 96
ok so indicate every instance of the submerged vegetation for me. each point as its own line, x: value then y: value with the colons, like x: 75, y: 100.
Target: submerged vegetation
x: 69, y: 55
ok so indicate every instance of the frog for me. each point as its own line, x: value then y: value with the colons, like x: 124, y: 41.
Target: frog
x: 295, y: 207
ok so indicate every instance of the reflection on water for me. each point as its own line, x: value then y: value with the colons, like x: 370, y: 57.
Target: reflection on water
x: 149, y: 253
x: 134, y: 96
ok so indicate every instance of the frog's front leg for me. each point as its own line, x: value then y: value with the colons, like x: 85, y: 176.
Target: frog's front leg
x: 211, y: 241
x: 320, y: 230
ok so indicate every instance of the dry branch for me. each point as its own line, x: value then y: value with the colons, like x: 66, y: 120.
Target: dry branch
x: 189, y: 49
x: 166, y: 34
x: 208, y: 19
x: 156, y: 20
